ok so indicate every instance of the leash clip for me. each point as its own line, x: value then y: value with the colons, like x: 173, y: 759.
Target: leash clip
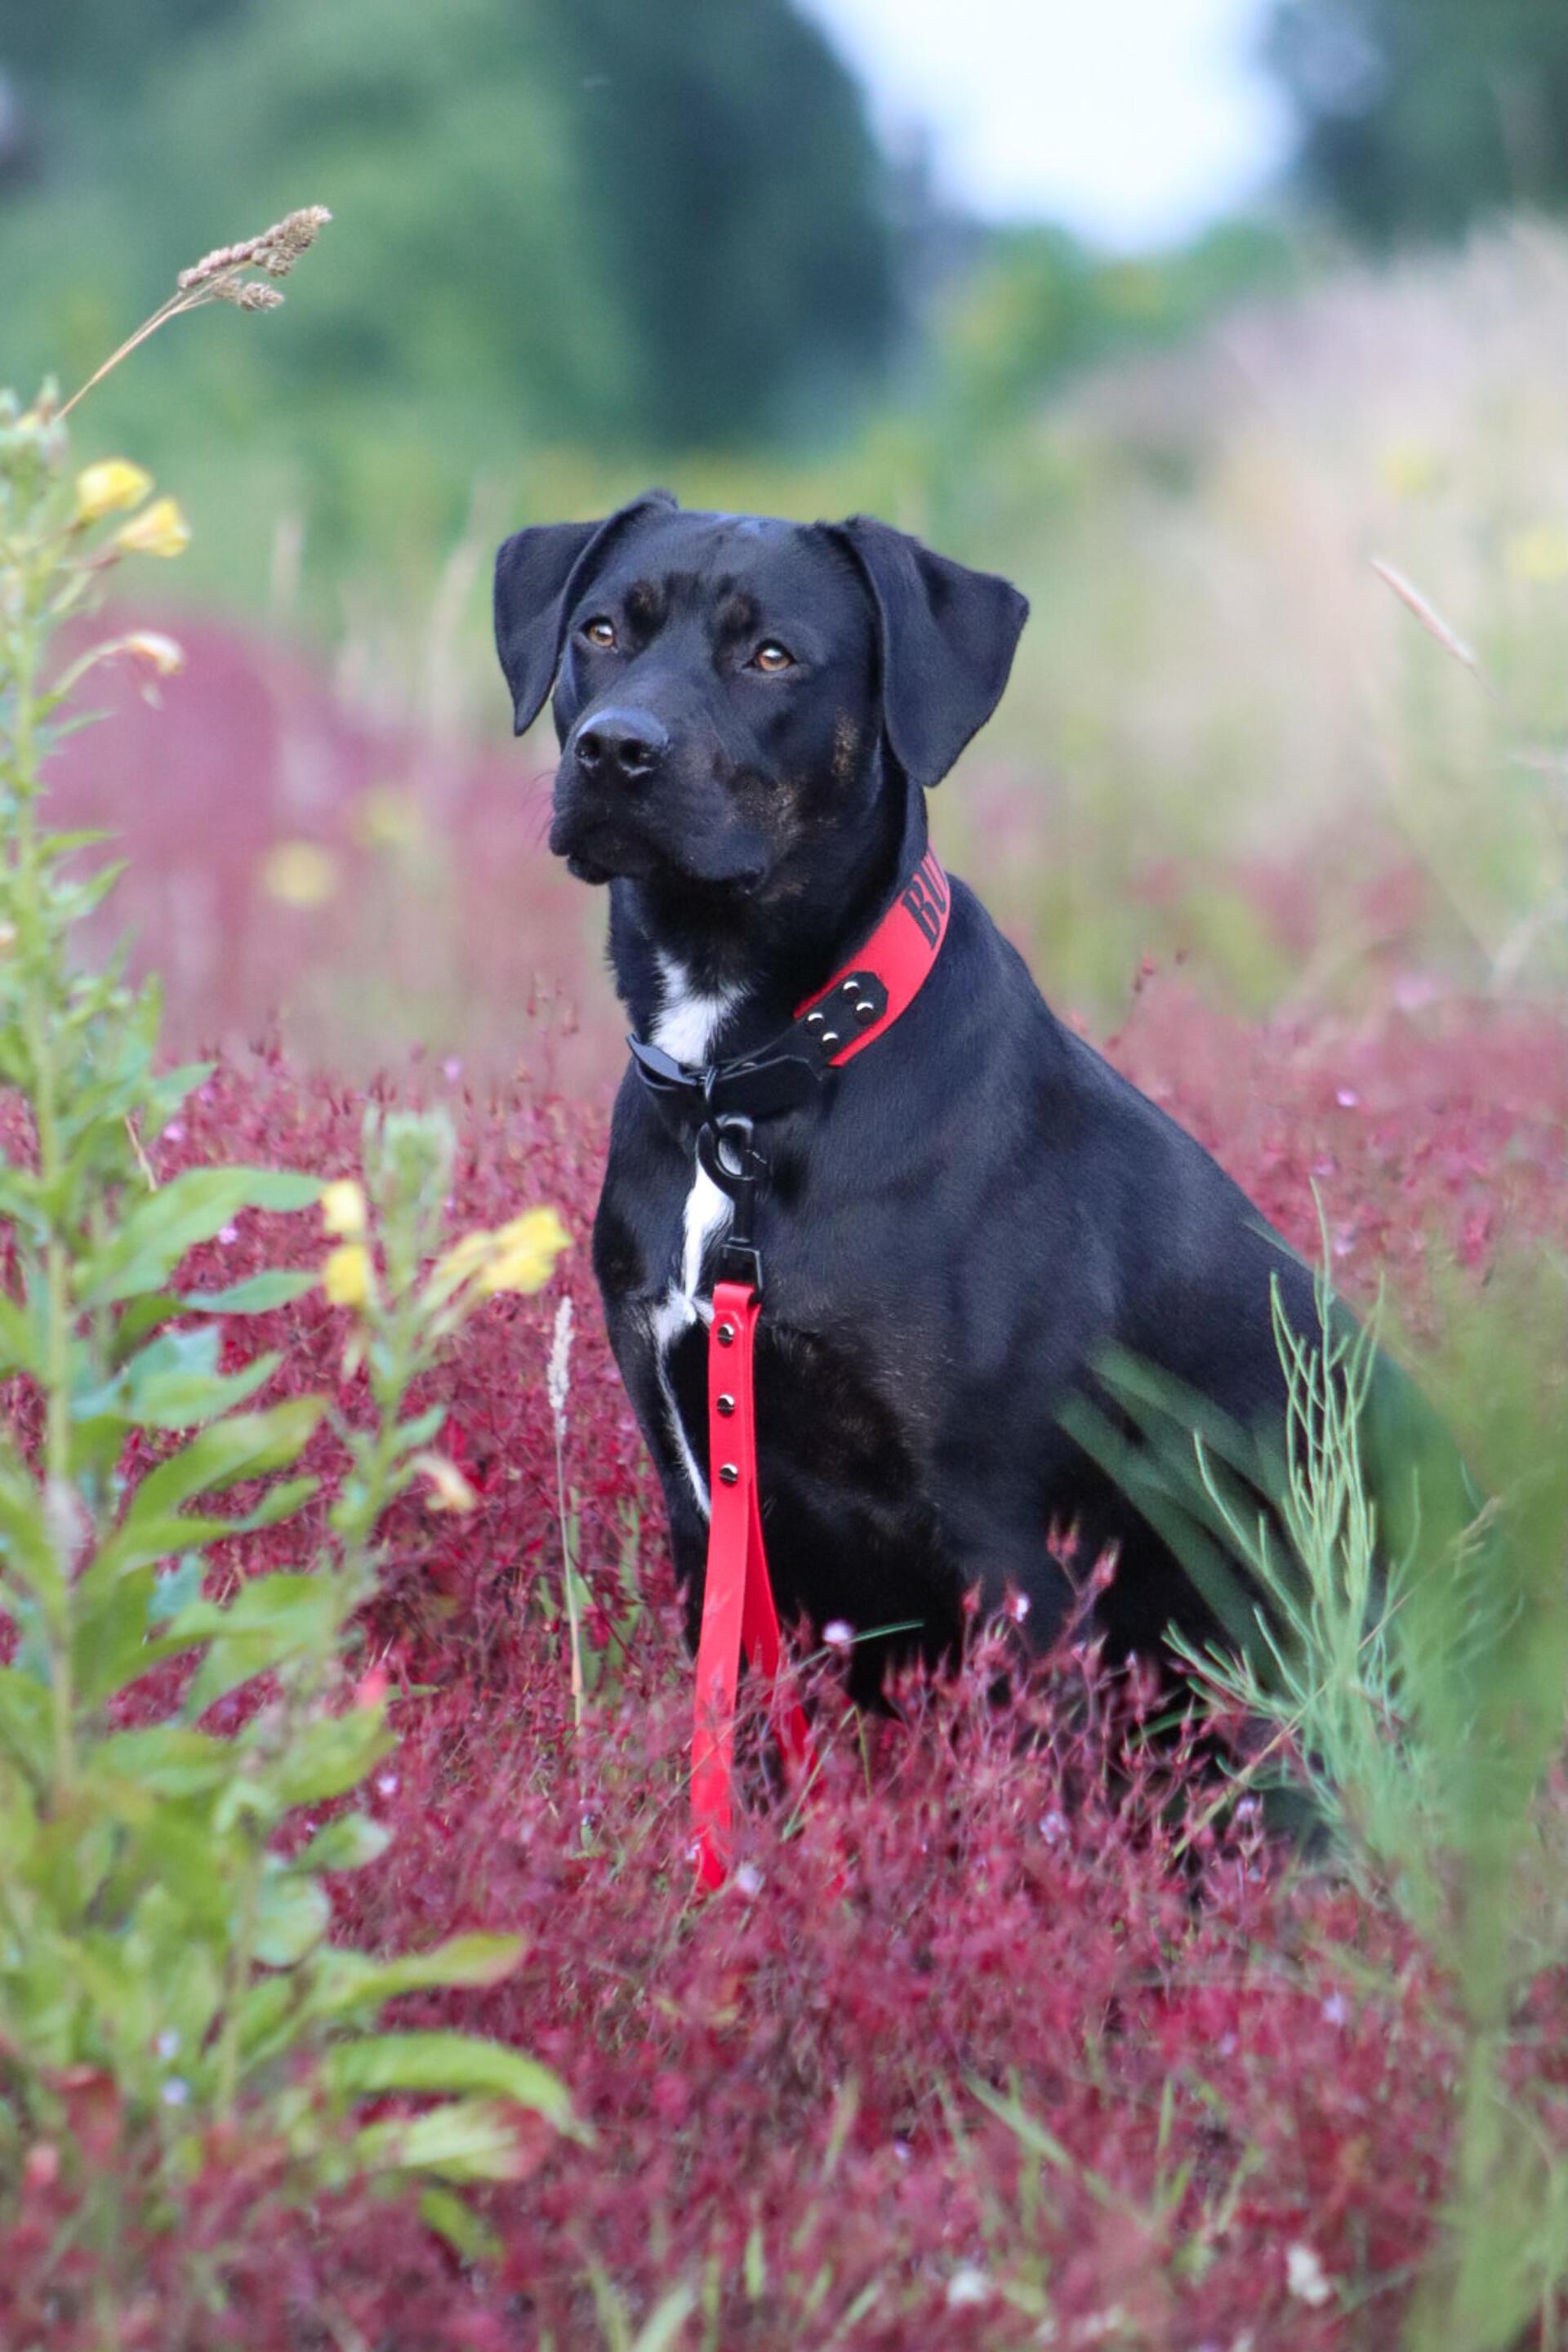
x: 727, y: 1157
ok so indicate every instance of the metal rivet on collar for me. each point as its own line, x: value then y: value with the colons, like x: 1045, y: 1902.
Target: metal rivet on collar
x: 852, y: 987
x: 726, y: 1405
x: 829, y: 1037
x: 728, y: 1473
x: 815, y: 1019
x: 865, y: 1010
x: 726, y: 1334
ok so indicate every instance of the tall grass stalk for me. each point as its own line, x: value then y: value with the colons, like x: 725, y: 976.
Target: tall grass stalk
x: 1418, y: 1690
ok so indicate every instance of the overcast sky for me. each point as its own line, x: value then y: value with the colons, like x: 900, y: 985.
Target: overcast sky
x: 1133, y: 121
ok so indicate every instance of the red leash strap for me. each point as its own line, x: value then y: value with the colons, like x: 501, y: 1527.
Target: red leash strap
x: 738, y: 1599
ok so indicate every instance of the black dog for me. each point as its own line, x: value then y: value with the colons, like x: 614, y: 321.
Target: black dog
x: 961, y: 1223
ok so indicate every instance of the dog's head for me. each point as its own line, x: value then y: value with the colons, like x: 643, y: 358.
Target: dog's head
x: 734, y: 693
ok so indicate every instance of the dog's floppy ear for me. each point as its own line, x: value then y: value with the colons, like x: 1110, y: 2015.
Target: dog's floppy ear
x: 539, y: 573
x: 947, y: 637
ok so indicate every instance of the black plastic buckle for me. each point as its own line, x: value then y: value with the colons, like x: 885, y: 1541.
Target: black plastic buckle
x: 725, y: 1154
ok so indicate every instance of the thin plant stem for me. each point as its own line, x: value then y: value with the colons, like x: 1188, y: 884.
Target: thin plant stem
x: 569, y: 1579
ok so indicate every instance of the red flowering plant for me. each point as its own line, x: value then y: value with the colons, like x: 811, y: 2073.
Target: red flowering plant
x: 165, y: 1969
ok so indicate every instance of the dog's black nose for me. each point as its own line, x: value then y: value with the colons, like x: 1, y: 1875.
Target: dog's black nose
x: 624, y: 746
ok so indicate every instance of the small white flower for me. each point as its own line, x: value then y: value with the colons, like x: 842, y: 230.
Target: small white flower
x: 168, y: 2041
x: 1305, y: 2276
x: 966, y: 2287
x: 228, y: 1236
x: 1052, y: 1828
x: 1017, y: 1607
x: 1347, y: 1098
x: 175, y: 2093
x: 386, y: 1784
x: 1336, y: 2009
x: 838, y: 1635
x: 749, y: 1879
x: 175, y: 1132
x: 452, y: 1068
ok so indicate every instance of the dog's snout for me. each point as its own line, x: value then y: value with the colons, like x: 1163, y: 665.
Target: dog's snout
x: 627, y: 746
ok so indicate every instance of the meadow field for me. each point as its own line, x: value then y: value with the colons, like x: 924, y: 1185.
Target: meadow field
x: 1025, y: 2028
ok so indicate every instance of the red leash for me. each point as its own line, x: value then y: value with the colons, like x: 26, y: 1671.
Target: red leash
x: 860, y: 1002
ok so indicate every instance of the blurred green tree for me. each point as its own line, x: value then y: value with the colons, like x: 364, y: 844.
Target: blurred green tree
x: 563, y: 217
x: 731, y: 180
x: 1419, y: 115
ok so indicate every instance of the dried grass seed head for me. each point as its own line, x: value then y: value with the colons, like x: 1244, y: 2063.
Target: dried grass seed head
x: 276, y: 251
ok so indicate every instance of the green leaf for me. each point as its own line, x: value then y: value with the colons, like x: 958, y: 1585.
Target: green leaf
x: 168, y: 1759
x: 26, y: 1552
x: 152, y: 1239
x: 174, y: 1383
x: 246, y: 1445
x: 469, y: 2140
x: 111, y: 1646
x: 348, y: 1844
x: 65, y: 845
x: 20, y: 1190
x: 176, y: 1589
x: 422, y: 1430
x: 442, y: 2061
x: 277, y: 1288
x: 27, y: 1721
x: 269, y: 2019
x: 269, y: 1621
x: 33, y: 1655
x: 351, y: 1980
x: 19, y: 1343
x: 137, y: 1319
x: 173, y: 1398
x: 174, y: 1850
x: 471, y: 2238
x: 330, y: 1756
x: 292, y: 1914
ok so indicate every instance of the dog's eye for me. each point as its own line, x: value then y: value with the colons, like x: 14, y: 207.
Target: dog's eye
x: 599, y: 631
x: 772, y: 657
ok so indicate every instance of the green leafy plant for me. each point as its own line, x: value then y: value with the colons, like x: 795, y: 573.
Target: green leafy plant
x: 1407, y: 1665
x: 164, y: 1966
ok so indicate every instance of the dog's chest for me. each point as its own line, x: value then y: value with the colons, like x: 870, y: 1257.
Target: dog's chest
x: 687, y: 1023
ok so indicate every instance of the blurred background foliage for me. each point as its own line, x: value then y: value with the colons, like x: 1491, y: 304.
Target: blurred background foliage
x: 581, y: 245
x: 637, y: 233
x: 580, y: 224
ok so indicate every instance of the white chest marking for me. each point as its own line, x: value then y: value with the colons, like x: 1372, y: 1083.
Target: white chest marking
x: 686, y: 1026
x: 687, y: 1021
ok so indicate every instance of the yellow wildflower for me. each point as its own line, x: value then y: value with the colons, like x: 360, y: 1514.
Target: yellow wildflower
x: 300, y: 874
x: 345, y: 1277
x: 343, y: 1209
x: 388, y: 819
x: 159, y: 530
x: 1539, y: 554
x: 525, y: 1252
x: 110, y: 488
x: 463, y: 1258
x: 1410, y: 468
